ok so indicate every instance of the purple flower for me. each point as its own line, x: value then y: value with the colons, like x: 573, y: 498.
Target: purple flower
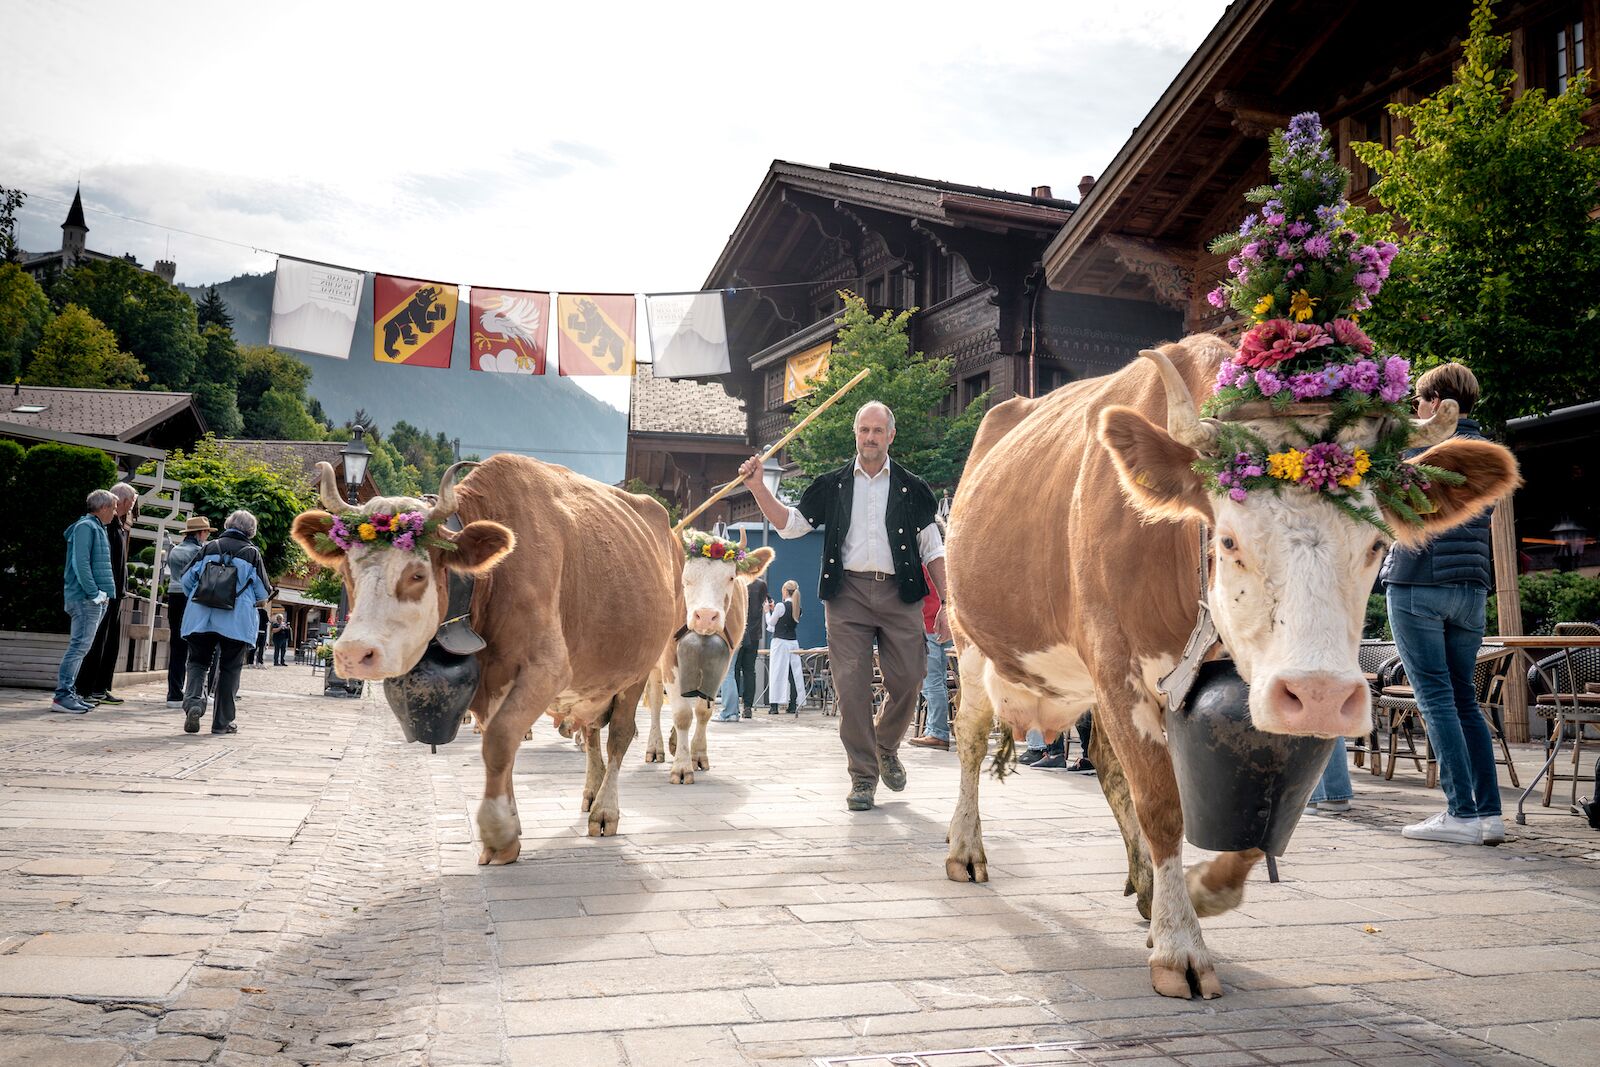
x: 1318, y: 245
x: 1247, y: 225
x: 1306, y: 126
x: 1309, y: 385
x: 1360, y: 302
x: 1217, y: 298
x: 1237, y: 494
x: 1368, y: 282
x: 1275, y: 219
x: 1251, y: 251
x: 1325, y: 464
x: 1285, y: 250
x: 1396, y: 380
x: 1234, y: 266
x: 1362, y: 376
x: 1299, y: 229
x: 406, y: 541
x: 1269, y: 383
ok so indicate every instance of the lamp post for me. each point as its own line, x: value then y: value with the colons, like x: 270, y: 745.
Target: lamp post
x: 772, y: 475
x: 1572, y: 537
x: 355, y: 455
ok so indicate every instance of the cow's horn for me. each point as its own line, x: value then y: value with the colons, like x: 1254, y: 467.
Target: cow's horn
x: 1430, y: 431
x: 446, y: 506
x: 744, y: 537
x: 1183, y: 421
x: 328, y: 489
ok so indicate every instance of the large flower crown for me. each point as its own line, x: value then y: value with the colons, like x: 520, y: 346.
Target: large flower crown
x: 409, y: 531
x: 697, y: 545
x: 1301, y: 275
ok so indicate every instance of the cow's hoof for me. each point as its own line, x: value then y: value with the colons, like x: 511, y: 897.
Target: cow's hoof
x: 588, y: 802
x: 701, y: 763
x: 499, y: 857
x: 682, y: 774
x: 603, y: 823
x: 1183, y: 982
x: 964, y: 870
x: 653, y: 755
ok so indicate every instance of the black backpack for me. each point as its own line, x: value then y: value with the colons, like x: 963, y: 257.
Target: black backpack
x: 218, y: 585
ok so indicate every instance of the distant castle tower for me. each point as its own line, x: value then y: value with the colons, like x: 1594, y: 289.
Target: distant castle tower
x: 74, y: 232
x: 166, y: 270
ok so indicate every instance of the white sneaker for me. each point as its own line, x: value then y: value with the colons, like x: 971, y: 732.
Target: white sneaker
x: 1445, y: 827
x: 1333, y: 807
x: 1494, y: 829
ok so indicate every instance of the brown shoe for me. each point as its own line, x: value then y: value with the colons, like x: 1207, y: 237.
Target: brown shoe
x: 929, y: 741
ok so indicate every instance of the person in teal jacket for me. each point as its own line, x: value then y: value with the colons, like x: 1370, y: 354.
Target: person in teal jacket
x: 86, y: 588
x: 232, y: 632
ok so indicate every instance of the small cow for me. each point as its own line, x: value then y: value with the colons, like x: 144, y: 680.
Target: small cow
x: 1090, y: 599
x: 716, y: 600
x: 574, y: 618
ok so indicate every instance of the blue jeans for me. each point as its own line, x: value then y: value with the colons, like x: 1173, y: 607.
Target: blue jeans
x: 1438, y: 629
x: 1335, y: 784
x: 86, y: 615
x: 936, y: 690
x: 728, y: 698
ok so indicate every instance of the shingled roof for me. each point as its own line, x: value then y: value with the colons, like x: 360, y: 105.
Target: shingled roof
x: 699, y: 409
x: 305, y: 455
x: 122, y: 414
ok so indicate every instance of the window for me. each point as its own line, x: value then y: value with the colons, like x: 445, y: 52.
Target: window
x: 939, y: 278
x: 875, y: 289
x: 775, y: 388
x: 1567, y: 59
x: 974, y: 387
x: 1372, y: 129
x: 1052, y: 377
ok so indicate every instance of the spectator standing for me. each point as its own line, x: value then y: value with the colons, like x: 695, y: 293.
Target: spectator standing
x: 786, y: 679
x: 230, y: 631
x: 100, y: 665
x: 936, y: 683
x: 280, y: 640
x: 1436, y: 597
x: 1333, y: 792
x: 263, y: 629
x: 744, y: 662
x: 196, y: 530
x: 86, y: 589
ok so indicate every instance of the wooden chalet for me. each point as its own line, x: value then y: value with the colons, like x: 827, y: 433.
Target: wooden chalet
x: 685, y: 439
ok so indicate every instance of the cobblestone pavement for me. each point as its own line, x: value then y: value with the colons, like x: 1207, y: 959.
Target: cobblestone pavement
x: 306, y: 892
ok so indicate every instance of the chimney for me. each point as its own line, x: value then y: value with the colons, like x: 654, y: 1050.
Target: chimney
x: 1085, y: 183
x: 1042, y: 192
x: 166, y: 270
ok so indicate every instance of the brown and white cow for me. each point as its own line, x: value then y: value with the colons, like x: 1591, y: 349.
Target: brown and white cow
x: 1073, y: 560
x: 715, y: 601
x: 574, y: 617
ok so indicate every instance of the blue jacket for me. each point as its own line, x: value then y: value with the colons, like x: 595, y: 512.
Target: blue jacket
x: 240, y: 623
x: 1457, y: 556
x: 88, y: 570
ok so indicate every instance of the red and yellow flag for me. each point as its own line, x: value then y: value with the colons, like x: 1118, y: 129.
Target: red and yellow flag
x: 412, y: 322
x: 595, y: 334
x: 509, y: 330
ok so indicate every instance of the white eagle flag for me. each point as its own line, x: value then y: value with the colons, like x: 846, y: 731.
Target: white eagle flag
x: 688, y: 334
x: 314, y: 307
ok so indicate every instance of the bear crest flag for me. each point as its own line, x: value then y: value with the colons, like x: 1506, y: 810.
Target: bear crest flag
x: 595, y: 333
x: 413, y: 322
x: 509, y: 330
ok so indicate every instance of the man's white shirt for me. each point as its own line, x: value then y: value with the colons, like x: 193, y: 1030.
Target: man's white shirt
x: 866, y: 543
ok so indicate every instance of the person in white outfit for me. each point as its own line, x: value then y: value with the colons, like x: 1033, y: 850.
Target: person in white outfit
x: 785, y: 678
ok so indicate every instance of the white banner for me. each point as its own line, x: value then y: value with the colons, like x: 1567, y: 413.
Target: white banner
x: 314, y: 308
x: 688, y: 334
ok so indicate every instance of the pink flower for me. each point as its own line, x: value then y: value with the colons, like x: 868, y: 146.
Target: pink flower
x: 1269, y: 383
x: 1318, y: 246
x: 1346, y: 332
x: 1299, y: 229
x: 1217, y: 298
x: 1285, y: 250
x: 1269, y: 343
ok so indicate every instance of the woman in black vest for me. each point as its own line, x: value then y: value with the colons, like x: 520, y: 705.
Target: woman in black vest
x: 785, y: 677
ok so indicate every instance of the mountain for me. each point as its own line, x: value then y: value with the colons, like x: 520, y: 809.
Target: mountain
x: 548, y: 417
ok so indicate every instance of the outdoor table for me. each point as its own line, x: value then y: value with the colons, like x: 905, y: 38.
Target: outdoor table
x: 1565, y: 645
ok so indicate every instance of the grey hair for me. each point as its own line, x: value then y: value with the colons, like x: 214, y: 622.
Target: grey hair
x: 242, y: 521
x: 98, y: 499
x: 873, y: 404
x: 124, y: 490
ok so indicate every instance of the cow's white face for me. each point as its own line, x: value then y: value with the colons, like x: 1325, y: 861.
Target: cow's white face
x: 708, y: 583
x: 397, y: 597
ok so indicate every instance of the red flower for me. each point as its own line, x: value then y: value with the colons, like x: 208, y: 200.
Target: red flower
x: 716, y: 549
x: 1272, y: 342
x: 1346, y: 332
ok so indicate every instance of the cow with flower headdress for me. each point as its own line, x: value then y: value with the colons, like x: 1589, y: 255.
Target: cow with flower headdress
x: 716, y: 577
x: 1251, y: 527
x: 577, y: 591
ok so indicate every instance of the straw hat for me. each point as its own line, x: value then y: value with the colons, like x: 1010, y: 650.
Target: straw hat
x: 197, y: 524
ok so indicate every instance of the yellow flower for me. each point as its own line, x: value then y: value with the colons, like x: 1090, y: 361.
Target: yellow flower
x: 1289, y: 466
x: 1264, y: 305
x: 1350, y: 481
x: 1363, y: 465
x: 367, y: 531
x: 729, y: 555
x: 1300, y: 306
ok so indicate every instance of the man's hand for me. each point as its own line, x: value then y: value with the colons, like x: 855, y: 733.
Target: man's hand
x: 100, y: 597
x: 941, y: 624
x: 750, y: 471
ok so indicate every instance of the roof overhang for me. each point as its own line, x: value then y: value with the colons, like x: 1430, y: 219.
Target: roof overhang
x: 104, y: 444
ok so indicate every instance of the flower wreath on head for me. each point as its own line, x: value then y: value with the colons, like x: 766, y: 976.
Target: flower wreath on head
x: 409, y: 531
x: 697, y: 545
x: 1301, y: 275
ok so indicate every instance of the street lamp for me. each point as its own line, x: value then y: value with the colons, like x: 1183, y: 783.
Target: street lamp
x: 355, y: 455
x: 772, y: 475
x: 1572, y: 537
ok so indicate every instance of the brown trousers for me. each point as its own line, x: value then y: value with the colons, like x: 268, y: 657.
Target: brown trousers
x: 864, y: 611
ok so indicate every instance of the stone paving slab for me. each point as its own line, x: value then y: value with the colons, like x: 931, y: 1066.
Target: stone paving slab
x: 307, y: 892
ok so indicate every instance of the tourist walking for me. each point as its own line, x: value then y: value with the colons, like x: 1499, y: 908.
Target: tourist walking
x: 786, y: 677
x: 879, y: 527
x: 1436, y: 597
x: 280, y: 640
x: 221, y: 617
x: 196, y: 530
x: 936, y: 682
x: 100, y: 665
x: 87, y: 587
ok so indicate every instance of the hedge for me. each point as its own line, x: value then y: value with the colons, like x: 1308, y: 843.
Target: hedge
x: 54, y: 479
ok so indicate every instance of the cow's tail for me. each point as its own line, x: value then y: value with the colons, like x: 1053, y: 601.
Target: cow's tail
x: 1005, y: 757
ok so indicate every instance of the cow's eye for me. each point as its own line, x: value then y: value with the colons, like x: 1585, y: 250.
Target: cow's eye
x: 1378, y: 546
x: 1229, y: 543
x: 418, y: 576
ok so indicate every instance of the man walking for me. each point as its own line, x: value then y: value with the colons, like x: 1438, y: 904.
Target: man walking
x: 880, y: 532
x: 86, y: 589
x: 100, y: 665
x: 195, y: 531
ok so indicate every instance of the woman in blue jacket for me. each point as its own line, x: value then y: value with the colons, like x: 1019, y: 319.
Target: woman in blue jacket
x: 231, y: 630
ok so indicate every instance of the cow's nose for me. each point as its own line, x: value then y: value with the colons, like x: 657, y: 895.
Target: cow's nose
x: 1320, y: 703
x: 358, y: 659
x: 707, y: 621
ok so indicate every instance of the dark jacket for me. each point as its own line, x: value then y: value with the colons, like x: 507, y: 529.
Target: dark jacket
x: 1458, y: 556
x: 117, y: 538
x: 827, y: 503
x: 785, y: 626
x: 179, y: 556
x: 752, y: 615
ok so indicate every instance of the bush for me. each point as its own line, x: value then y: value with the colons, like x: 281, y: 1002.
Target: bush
x: 55, y: 479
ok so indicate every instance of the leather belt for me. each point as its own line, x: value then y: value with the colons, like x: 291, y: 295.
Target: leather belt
x: 875, y: 576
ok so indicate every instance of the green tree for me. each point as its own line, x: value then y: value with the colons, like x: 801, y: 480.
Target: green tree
x: 272, y: 396
x: 935, y: 446
x: 217, y: 383
x: 325, y: 585
x: 152, y: 320
x: 211, y: 311
x: 388, y: 468
x: 77, y: 351
x: 218, y: 480
x: 24, y: 313
x: 1499, y: 263
x: 10, y: 201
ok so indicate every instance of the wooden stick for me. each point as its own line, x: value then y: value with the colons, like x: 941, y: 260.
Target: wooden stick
x: 683, y: 523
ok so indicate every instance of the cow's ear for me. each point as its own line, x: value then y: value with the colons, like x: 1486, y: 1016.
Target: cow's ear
x: 756, y: 562
x: 311, y: 527
x: 1490, y: 471
x: 479, y: 546
x: 1156, y: 472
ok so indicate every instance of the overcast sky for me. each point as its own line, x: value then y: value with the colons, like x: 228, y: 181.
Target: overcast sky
x: 608, y: 147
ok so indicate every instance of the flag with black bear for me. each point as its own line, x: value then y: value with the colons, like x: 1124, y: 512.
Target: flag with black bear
x: 413, y: 322
x: 595, y: 333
